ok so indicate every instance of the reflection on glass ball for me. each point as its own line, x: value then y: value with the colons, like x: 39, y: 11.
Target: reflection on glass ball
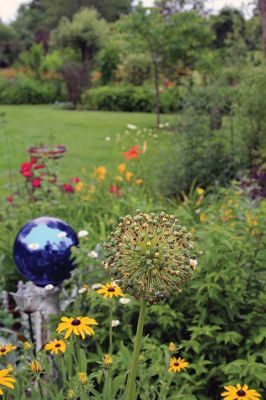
x: 42, y: 251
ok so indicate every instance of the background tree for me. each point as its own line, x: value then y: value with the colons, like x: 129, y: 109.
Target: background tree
x: 177, y: 40
x: 146, y: 28
x: 9, y: 45
x: 85, y: 35
x: 33, y: 59
x: 224, y: 24
x: 262, y: 9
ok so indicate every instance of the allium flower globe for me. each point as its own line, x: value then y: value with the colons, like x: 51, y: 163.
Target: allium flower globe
x: 149, y: 255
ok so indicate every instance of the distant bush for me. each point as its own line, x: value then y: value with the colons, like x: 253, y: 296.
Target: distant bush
x: 23, y: 89
x: 118, y: 98
x: 204, y: 99
x: 129, y: 98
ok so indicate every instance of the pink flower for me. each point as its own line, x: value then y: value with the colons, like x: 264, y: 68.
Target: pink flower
x: 75, y: 180
x: 10, y: 199
x: 36, y: 183
x: 68, y: 188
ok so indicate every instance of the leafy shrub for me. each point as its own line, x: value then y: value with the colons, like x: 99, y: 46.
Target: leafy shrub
x: 204, y: 99
x: 109, y: 59
x: 136, y: 68
x: 118, y: 98
x: 129, y: 98
x: 25, y: 90
x: 252, y: 108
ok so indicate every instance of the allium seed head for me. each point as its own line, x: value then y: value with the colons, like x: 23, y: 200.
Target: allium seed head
x: 149, y: 255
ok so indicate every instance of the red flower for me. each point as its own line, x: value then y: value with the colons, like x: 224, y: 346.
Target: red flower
x: 10, y: 199
x: 68, y: 188
x: 132, y: 153
x: 26, y: 166
x: 36, y: 183
x: 39, y: 166
x: 75, y: 180
x: 33, y: 160
x: 27, y: 174
x: 115, y: 190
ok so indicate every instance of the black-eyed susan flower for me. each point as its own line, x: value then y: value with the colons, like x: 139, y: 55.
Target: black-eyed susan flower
x: 107, y: 360
x: 177, y: 364
x: 149, y: 255
x: 27, y: 346
x: 110, y: 290
x: 6, y: 380
x: 7, y: 348
x: 83, y: 378
x: 240, y: 392
x: 79, y: 326
x: 35, y: 366
x: 55, y: 346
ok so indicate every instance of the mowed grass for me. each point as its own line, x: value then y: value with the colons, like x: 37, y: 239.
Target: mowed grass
x: 83, y: 132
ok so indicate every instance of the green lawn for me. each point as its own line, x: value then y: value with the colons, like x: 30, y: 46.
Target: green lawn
x: 83, y: 132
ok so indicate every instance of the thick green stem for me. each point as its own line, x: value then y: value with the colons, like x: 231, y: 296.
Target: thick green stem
x: 111, y: 328
x: 106, y: 394
x: 130, y: 393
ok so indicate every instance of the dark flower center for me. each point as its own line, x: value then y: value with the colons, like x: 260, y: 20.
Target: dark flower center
x: 111, y: 289
x: 58, y: 345
x: 3, y: 350
x: 75, y: 322
x: 176, y: 364
x: 241, y: 393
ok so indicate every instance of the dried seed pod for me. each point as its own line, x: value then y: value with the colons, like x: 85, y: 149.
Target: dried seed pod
x: 150, y: 254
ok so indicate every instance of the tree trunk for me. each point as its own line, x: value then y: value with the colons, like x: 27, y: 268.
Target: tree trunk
x: 262, y: 9
x: 157, y: 89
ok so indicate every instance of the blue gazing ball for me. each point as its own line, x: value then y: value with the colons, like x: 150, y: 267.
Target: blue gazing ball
x: 42, y: 251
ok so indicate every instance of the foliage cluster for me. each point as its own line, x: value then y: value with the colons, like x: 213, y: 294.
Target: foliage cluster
x: 217, y: 323
x: 130, y: 98
x: 25, y: 89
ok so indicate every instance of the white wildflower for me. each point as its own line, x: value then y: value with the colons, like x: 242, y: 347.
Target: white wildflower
x: 83, y: 290
x: 83, y: 234
x: 124, y: 300
x: 115, y: 322
x: 131, y: 126
x: 96, y: 286
x: 93, y: 254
